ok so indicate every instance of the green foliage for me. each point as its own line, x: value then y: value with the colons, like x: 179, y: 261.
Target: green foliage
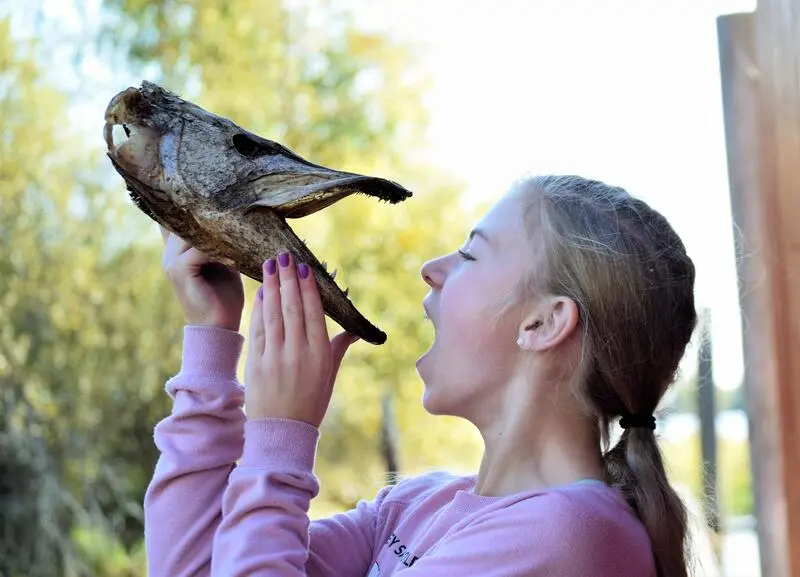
x: 104, y: 554
x: 32, y: 499
x: 87, y: 331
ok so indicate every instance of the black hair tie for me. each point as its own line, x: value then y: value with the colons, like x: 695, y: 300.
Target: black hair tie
x: 631, y: 421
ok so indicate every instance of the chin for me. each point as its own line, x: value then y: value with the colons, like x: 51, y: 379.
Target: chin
x: 425, y: 368
x: 429, y: 403
x: 440, y: 405
x: 436, y: 399
x: 436, y: 383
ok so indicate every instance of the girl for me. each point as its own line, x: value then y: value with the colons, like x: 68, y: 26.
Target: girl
x: 567, y: 311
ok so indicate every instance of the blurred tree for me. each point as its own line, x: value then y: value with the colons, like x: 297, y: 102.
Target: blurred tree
x: 85, y: 327
x: 351, y: 99
x: 91, y: 332
x: 305, y: 76
x: 34, y: 504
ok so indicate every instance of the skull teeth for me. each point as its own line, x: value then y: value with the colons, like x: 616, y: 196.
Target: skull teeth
x: 116, y: 135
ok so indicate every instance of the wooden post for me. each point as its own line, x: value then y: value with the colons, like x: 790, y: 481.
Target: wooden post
x: 760, y: 65
x: 706, y: 408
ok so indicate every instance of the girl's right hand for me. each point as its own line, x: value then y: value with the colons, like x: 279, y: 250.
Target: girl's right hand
x: 210, y: 293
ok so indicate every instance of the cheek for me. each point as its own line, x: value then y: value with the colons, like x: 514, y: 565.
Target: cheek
x: 472, y: 356
x: 469, y: 328
x: 463, y: 306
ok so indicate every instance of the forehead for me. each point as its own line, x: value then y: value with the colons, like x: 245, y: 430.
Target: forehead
x: 504, y: 220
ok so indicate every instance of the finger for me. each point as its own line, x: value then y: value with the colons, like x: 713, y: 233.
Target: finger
x: 257, y: 334
x: 314, y: 315
x: 174, y: 248
x: 164, y: 233
x: 272, y: 314
x: 291, y: 302
x: 339, y: 345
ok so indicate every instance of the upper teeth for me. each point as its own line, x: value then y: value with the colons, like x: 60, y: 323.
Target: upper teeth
x: 121, y: 133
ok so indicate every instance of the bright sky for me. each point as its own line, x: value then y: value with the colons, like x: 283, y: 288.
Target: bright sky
x: 624, y: 91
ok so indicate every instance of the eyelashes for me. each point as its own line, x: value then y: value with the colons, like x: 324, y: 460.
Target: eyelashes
x: 465, y: 255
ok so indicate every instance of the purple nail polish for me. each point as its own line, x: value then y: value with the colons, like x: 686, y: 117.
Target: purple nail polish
x: 271, y: 266
x: 302, y: 270
x: 260, y: 293
x: 283, y: 259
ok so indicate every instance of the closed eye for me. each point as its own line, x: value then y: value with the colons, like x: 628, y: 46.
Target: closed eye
x: 465, y: 255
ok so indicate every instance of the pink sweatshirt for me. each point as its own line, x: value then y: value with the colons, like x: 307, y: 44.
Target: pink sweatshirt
x: 206, y: 515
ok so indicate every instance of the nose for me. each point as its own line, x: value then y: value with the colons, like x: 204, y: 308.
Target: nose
x: 434, y: 271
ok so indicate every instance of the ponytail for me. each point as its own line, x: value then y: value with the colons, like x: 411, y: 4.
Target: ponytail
x: 628, y: 272
x: 636, y: 468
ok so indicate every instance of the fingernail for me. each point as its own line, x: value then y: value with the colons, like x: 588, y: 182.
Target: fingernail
x: 283, y: 258
x: 260, y: 293
x: 302, y: 270
x: 270, y: 266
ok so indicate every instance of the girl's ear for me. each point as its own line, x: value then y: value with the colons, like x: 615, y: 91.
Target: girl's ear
x: 553, y: 321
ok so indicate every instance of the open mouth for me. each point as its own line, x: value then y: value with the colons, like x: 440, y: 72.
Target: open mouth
x: 122, y: 138
x: 116, y: 135
x: 129, y: 143
x: 135, y: 149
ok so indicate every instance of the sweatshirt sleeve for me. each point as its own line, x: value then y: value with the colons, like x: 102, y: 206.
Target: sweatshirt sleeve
x: 266, y: 530
x: 199, y: 443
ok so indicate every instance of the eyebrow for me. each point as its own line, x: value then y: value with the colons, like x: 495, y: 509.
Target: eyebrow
x: 478, y: 232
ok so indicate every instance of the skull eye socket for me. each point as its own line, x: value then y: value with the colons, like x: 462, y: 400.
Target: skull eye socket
x: 245, y: 146
x: 250, y: 148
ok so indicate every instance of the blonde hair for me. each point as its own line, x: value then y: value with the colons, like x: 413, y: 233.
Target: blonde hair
x: 627, y: 271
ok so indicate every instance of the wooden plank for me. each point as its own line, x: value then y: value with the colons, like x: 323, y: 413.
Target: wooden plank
x: 778, y: 45
x: 761, y: 96
x: 739, y: 75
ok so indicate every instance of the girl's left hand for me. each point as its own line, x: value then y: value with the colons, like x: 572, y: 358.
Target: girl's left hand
x: 291, y: 365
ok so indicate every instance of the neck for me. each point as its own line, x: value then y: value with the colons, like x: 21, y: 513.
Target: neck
x: 535, y: 445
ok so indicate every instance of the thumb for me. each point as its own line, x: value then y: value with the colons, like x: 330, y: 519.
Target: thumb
x: 339, y: 345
